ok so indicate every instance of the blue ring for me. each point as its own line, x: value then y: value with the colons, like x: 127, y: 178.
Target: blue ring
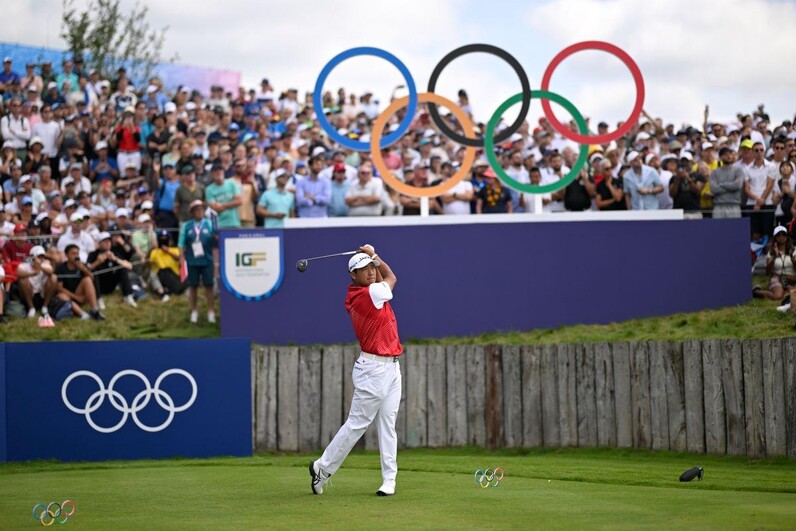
x: 317, y: 98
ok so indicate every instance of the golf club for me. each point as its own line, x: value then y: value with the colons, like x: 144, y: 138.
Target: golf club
x: 302, y: 265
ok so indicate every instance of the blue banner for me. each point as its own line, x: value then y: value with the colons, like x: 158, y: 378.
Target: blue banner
x: 90, y: 401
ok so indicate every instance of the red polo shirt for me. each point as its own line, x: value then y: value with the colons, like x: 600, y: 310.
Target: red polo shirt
x: 373, y: 319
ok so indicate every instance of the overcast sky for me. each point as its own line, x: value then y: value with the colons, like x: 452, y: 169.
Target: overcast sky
x: 730, y: 54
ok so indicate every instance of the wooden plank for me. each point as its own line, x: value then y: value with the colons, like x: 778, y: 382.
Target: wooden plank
x: 567, y: 396
x: 416, y: 396
x: 604, y: 394
x: 754, y: 400
x: 789, y: 350
x: 494, y: 397
x: 309, y: 399
x: 350, y: 356
x: 531, y: 397
x: 715, y: 419
x: 694, y: 396
x: 437, y: 411
x: 640, y: 394
x: 331, y: 392
x: 512, y: 396
x: 732, y: 383
x: 659, y: 413
x: 256, y: 351
x: 476, y: 396
x: 265, y: 404
x: 288, y: 399
x: 675, y: 396
x: 586, y: 402
x: 774, y: 397
x: 551, y: 429
x: 400, y: 421
x: 622, y: 395
x: 456, y: 400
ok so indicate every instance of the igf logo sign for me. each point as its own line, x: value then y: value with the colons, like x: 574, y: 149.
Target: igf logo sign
x: 248, y: 259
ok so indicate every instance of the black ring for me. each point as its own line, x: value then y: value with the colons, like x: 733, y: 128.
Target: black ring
x: 515, y: 65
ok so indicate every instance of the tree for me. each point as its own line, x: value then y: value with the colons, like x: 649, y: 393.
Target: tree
x: 107, y: 39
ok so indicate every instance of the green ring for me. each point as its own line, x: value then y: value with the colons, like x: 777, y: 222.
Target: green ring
x: 489, y: 144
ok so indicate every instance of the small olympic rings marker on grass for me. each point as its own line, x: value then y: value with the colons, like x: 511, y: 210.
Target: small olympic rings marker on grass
x: 53, y: 512
x: 489, y: 478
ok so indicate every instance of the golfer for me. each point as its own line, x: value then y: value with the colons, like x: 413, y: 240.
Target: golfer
x: 376, y: 374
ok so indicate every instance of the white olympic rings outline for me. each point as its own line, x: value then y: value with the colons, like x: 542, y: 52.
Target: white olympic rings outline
x: 120, y: 403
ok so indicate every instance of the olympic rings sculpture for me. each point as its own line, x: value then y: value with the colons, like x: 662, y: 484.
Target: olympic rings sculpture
x: 488, y: 141
x: 140, y: 401
x: 488, y: 478
x: 48, y: 515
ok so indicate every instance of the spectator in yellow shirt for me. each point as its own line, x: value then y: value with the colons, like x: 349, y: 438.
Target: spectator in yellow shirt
x: 164, y: 263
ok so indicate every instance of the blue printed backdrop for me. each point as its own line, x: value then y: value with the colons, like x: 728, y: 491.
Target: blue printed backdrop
x: 456, y: 280
x: 172, y: 75
x: 40, y: 426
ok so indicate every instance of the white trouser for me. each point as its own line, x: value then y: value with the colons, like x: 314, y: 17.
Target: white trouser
x: 123, y: 157
x: 377, y: 394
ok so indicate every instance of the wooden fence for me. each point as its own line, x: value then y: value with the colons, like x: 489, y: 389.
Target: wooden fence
x: 714, y: 396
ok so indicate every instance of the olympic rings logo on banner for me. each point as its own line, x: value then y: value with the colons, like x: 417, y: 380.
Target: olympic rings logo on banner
x: 469, y: 140
x: 488, y: 478
x: 140, y: 401
x: 49, y: 515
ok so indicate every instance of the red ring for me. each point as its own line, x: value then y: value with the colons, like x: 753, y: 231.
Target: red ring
x: 637, y: 78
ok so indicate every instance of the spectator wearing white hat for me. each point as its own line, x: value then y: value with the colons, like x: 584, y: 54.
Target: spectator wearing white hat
x: 36, y: 158
x: 664, y: 199
x: 197, y: 241
x: 143, y: 241
x: 37, y: 282
x: 110, y: 271
x: 76, y: 235
x: 104, y: 167
x: 641, y: 184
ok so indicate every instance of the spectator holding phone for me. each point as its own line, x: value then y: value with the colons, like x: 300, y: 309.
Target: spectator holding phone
x: 76, y: 285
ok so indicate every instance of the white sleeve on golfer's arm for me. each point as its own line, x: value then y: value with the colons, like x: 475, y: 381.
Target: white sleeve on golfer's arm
x: 380, y: 293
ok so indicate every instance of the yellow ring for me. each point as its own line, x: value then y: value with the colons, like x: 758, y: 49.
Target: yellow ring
x: 384, y: 171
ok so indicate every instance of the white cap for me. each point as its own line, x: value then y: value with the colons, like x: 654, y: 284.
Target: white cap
x: 143, y: 218
x: 41, y: 216
x: 360, y: 260
x: 38, y: 250
x: 642, y: 136
x: 103, y: 236
x: 594, y: 156
x: 122, y: 212
x: 428, y: 133
x: 706, y: 145
x: 67, y: 180
x: 130, y: 164
x: 147, y: 205
x: 301, y: 143
x: 24, y: 179
x: 320, y: 150
x: 170, y: 107
x: 684, y: 154
x: 777, y: 230
x: 77, y: 217
x: 35, y: 140
x: 190, y: 106
x: 150, y: 89
x: 649, y: 157
x: 101, y: 145
x: 515, y: 137
x: 52, y: 85
x: 196, y: 203
x: 70, y: 203
x: 632, y: 156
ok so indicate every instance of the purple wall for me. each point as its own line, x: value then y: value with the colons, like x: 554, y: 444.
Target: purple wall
x: 457, y: 280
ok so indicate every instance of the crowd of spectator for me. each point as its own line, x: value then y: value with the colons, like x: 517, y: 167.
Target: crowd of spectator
x: 108, y: 186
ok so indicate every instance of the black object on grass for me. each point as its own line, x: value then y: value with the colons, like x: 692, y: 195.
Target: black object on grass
x: 692, y: 474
